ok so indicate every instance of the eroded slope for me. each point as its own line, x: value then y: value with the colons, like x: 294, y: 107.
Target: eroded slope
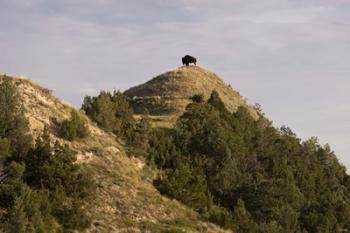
x: 125, y: 200
x: 169, y: 93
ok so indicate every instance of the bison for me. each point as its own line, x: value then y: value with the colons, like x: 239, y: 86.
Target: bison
x: 188, y: 59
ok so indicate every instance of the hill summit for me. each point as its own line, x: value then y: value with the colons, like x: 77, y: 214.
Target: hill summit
x: 169, y: 92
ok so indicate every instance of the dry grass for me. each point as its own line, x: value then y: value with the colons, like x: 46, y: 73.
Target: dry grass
x: 162, y: 121
x: 169, y: 93
x: 125, y: 199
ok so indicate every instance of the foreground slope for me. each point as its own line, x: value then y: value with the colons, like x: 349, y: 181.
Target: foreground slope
x: 126, y: 200
x: 169, y: 92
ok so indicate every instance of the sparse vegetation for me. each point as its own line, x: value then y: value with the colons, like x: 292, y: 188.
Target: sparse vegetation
x: 124, y: 196
x: 170, y: 93
x: 41, y: 188
x: 113, y: 113
x: 74, y: 128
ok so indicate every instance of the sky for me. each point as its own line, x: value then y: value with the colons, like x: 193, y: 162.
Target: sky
x: 290, y: 56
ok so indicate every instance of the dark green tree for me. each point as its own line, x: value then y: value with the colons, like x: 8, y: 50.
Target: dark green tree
x: 111, y: 112
x: 42, y: 186
x: 75, y: 127
x: 139, y: 136
x: 15, y: 139
x: 259, y: 178
x: 215, y: 101
x: 197, y: 98
x: 123, y: 114
x: 242, y: 218
x: 54, y: 169
x: 185, y: 185
x: 101, y: 109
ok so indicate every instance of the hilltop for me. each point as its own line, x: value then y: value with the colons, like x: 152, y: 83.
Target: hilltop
x: 169, y: 93
x: 125, y: 200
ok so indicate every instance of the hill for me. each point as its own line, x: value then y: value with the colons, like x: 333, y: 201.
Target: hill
x: 223, y: 161
x: 169, y: 93
x: 125, y: 200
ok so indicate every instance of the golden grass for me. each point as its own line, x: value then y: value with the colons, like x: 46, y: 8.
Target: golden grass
x: 162, y: 121
x: 169, y: 93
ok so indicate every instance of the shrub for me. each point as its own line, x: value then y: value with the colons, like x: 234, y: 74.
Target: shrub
x: 41, y: 187
x: 74, y: 128
x: 221, y: 217
x: 54, y: 170
x: 110, y: 111
x: 197, y: 98
x: 186, y: 186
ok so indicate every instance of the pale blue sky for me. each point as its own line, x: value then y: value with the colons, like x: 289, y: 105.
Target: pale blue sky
x: 291, y: 56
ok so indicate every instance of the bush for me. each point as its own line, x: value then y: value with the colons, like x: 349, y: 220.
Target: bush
x: 221, y: 217
x: 186, y: 186
x: 41, y: 187
x: 54, y: 169
x: 74, y: 128
x: 197, y: 98
x: 110, y: 111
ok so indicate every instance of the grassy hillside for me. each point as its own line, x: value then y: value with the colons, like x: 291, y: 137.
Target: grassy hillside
x: 222, y: 158
x: 169, y: 93
x: 125, y: 200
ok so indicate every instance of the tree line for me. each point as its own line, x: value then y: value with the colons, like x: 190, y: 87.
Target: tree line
x: 246, y: 175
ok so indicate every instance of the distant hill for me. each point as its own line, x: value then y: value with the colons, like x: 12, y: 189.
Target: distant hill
x: 169, y: 93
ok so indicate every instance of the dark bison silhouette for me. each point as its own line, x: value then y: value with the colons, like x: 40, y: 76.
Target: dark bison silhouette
x: 188, y: 59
